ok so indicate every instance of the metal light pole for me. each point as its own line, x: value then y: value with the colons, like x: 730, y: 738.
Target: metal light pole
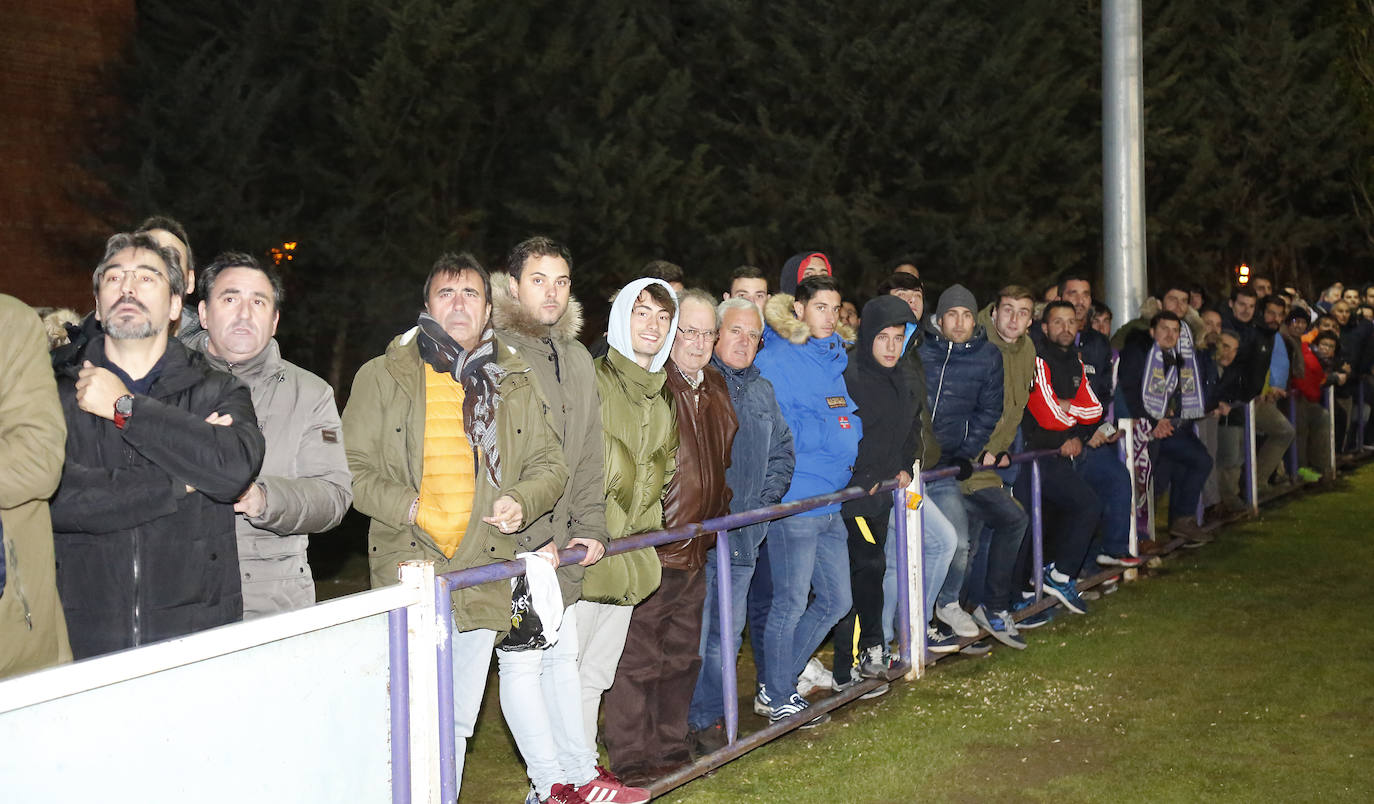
x: 1123, y: 158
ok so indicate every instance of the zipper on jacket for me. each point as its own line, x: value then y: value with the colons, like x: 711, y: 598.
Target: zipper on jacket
x: 13, y: 572
x: 935, y: 411
x: 136, y: 629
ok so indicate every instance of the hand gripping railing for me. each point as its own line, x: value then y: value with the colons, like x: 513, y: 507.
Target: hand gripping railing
x: 445, y: 584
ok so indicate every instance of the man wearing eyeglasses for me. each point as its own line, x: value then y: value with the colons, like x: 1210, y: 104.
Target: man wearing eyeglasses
x: 646, y: 708
x: 159, y: 447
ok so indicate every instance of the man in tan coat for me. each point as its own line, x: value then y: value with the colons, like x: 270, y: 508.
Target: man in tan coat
x: 33, y: 631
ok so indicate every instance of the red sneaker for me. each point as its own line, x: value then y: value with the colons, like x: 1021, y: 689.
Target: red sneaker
x: 605, y: 788
x: 564, y: 794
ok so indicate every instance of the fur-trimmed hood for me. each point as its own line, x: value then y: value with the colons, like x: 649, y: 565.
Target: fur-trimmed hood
x: 507, y: 314
x: 779, y: 316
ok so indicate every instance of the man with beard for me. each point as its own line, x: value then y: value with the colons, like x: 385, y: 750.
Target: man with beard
x: 454, y: 458
x: 304, y: 486
x: 159, y: 447
x: 646, y: 707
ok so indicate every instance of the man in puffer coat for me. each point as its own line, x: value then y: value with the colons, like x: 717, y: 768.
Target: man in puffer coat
x: 33, y: 631
x: 159, y: 447
x: 641, y: 444
x: 454, y: 458
x: 804, y: 357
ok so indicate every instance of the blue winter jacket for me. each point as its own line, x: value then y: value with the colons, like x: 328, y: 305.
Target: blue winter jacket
x: 761, y: 459
x: 963, y: 391
x: 808, y: 380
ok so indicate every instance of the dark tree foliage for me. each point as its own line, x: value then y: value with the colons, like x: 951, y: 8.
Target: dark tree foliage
x: 713, y: 133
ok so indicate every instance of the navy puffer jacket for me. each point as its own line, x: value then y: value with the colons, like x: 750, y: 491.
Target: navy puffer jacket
x: 963, y: 392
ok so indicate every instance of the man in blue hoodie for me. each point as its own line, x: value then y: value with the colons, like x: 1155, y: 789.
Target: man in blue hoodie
x: 804, y: 357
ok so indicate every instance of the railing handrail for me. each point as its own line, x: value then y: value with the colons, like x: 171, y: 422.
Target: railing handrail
x: 504, y: 570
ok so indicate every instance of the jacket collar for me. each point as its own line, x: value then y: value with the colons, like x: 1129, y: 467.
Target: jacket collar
x: 507, y: 315
x: 267, y: 363
x: 181, y: 368
x: 777, y: 313
x: 635, y: 378
x: 743, y: 376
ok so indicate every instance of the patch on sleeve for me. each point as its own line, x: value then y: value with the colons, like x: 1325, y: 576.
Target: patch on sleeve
x: 836, y: 401
x: 330, y: 436
x: 844, y: 422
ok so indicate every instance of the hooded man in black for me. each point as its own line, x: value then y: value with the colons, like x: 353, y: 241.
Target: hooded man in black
x: 889, y: 408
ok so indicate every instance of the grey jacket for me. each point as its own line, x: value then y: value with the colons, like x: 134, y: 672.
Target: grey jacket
x: 564, y: 373
x: 304, y: 476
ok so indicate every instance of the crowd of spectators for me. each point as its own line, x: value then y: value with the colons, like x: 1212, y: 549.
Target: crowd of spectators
x: 198, y: 461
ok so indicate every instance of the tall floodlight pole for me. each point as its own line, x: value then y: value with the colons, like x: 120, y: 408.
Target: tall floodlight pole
x: 1123, y: 158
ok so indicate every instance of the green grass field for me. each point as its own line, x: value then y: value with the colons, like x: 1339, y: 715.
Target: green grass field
x: 1241, y: 672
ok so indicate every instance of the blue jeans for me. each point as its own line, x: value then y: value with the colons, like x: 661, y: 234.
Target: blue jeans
x: 949, y: 498
x: 1109, y: 479
x: 938, y: 540
x: 998, y: 526
x: 807, y: 554
x: 708, y: 704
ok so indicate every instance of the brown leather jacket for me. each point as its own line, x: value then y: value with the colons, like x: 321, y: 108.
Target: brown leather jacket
x: 706, y: 428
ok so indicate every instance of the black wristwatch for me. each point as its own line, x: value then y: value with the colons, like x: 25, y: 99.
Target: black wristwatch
x: 123, y: 409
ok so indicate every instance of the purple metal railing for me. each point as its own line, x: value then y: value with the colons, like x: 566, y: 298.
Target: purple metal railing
x: 398, y: 640
x: 504, y: 570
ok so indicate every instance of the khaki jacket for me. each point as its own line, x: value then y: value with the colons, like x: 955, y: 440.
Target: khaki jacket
x: 565, y: 375
x: 33, y: 432
x: 1018, y: 374
x: 384, y: 434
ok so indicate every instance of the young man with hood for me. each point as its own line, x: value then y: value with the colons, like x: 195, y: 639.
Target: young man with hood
x: 887, y: 406
x: 761, y: 460
x: 640, y: 449
x: 800, y: 266
x: 964, y: 391
x: 454, y: 458
x: 1061, y: 414
x: 646, y: 707
x: 533, y: 310
x: 804, y: 357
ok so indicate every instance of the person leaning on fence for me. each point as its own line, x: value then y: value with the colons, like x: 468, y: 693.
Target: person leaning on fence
x: 159, y: 447
x: 533, y: 310
x: 887, y: 406
x: 804, y: 358
x: 304, y: 486
x: 964, y: 391
x: 33, y: 630
x: 1062, y: 414
x: 454, y: 457
x: 761, y: 461
x: 641, y: 444
x: 1163, y: 386
x: 646, y: 732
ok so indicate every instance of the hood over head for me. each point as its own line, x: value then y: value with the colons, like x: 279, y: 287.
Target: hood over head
x: 618, y: 327
x: 791, y: 270
x: 879, y: 314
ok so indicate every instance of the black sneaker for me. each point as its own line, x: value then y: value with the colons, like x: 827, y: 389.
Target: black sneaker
x: 940, y: 639
x: 980, y: 648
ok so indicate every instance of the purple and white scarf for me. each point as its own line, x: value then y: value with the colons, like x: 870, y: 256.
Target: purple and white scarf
x: 1161, y: 379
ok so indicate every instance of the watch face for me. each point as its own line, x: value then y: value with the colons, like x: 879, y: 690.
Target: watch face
x: 124, y: 405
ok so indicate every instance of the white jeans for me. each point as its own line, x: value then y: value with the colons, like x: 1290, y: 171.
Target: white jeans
x: 471, y: 658
x: 601, y: 630
x: 541, y: 699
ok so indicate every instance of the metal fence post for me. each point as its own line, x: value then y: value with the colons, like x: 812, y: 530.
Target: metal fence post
x: 1251, y: 479
x: 729, y: 683
x: 1037, y: 531
x: 1330, y: 399
x: 911, y: 634
x: 443, y: 615
x: 400, y: 702
x: 423, y: 633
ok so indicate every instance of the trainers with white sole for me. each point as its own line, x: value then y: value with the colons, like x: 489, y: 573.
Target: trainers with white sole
x: 814, y: 677
x: 955, y: 617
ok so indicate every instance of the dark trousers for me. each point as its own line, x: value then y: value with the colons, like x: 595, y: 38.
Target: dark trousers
x: 867, y: 563
x: 997, y: 527
x: 1188, y: 465
x: 1069, y: 510
x: 645, y: 726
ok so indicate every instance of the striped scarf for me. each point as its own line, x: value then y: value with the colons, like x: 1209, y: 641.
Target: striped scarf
x: 479, y: 374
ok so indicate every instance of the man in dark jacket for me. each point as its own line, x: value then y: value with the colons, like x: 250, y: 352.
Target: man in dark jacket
x: 888, y: 407
x: 159, y: 447
x: 964, y: 394
x: 761, y: 462
x: 1061, y: 414
x: 646, y: 708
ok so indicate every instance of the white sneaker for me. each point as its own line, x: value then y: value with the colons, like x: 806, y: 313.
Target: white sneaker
x: 959, y: 620
x: 814, y: 677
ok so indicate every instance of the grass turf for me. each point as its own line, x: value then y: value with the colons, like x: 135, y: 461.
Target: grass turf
x: 1241, y: 672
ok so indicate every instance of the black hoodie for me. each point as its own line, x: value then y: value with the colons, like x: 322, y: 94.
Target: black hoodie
x: 887, y: 406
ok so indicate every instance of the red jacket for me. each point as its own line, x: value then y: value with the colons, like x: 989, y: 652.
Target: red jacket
x: 1313, y: 376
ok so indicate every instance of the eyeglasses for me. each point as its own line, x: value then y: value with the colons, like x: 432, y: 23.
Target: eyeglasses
x: 696, y: 335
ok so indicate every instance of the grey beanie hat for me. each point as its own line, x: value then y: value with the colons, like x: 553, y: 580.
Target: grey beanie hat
x: 955, y: 296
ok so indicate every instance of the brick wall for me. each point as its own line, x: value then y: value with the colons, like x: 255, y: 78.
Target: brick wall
x: 56, y: 59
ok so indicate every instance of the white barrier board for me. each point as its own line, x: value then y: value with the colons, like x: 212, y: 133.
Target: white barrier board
x: 305, y: 719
